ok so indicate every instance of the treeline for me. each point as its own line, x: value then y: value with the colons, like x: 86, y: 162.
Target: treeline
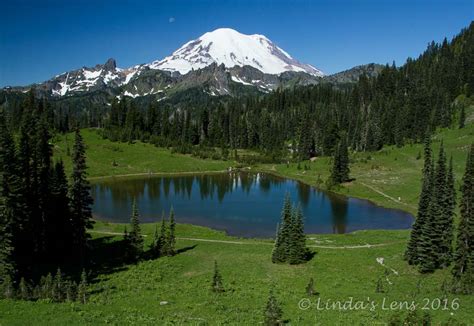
x: 55, y: 288
x: 44, y: 216
x: 432, y: 237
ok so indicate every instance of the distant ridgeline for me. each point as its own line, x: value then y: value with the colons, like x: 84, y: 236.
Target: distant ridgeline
x: 372, y: 106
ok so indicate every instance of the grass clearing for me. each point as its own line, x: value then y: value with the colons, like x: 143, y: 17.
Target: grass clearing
x: 106, y: 158
x: 136, y: 294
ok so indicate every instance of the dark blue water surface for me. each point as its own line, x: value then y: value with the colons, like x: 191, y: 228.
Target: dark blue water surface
x: 243, y: 204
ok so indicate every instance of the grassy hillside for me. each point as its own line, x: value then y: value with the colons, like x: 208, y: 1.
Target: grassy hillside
x: 390, y: 177
x: 136, y: 294
x: 106, y: 158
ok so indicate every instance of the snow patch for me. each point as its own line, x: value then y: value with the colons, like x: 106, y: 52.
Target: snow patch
x: 91, y: 74
x: 127, y: 93
x: 109, y: 77
x: 129, y: 75
x: 238, y: 80
x: 63, y: 87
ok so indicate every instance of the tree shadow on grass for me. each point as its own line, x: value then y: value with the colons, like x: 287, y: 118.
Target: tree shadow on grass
x: 184, y: 249
x: 309, y: 255
x: 149, y: 255
x: 107, y: 255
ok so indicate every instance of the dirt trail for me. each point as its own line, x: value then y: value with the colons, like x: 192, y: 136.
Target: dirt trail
x: 143, y: 174
x: 265, y: 243
x: 385, y: 195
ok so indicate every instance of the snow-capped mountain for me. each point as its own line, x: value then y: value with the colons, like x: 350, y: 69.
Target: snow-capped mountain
x: 231, y: 48
x: 221, y: 62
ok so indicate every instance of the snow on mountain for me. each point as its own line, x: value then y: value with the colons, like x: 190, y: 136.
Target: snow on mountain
x: 86, y: 79
x: 249, y: 59
x: 231, y: 48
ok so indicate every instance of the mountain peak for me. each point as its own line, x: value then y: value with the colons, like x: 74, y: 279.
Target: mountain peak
x: 110, y: 64
x: 232, y: 48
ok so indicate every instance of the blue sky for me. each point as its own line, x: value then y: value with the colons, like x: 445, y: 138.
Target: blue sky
x: 39, y: 39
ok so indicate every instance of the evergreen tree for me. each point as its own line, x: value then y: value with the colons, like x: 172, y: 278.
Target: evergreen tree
x: 57, y: 287
x: 272, y: 315
x: 80, y: 198
x: 162, y: 245
x: 171, y: 238
x: 23, y: 290
x: 82, y: 288
x: 340, y: 169
x: 428, y: 246
x: 447, y: 225
x: 29, y: 222
x: 281, y: 249
x: 70, y: 291
x: 412, y: 254
x: 42, y: 180
x: 7, y: 269
x: 463, y: 269
x: 439, y: 219
x: 7, y: 289
x: 155, y: 244
x: 277, y: 247
x: 290, y: 240
x: 297, y: 242
x: 135, y: 239
x: 59, y: 230
x: 217, y: 285
x: 310, y: 288
x: 305, y: 142
x: 46, y: 285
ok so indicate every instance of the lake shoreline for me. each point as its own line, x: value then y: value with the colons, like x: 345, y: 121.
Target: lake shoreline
x: 256, y: 170
x: 364, y: 215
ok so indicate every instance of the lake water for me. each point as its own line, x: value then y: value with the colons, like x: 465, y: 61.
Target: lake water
x: 242, y: 204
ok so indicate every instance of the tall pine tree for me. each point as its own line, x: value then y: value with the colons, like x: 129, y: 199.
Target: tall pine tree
x: 412, y: 254
x: 59, y: 230
x: 447, y: 224
x: 42, y: 163
x: 171, y: 238
x: 463, y: 268
x: 340, y: 169
x: 281, y: 247
x: 297, y: 244
x: 80, y: 198
x: 428, y: 254
x: 135, y: 239
x: 272, y: 315
x: 441, y: 218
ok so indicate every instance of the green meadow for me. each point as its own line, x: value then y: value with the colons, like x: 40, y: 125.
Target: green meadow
x: 345, y: 268
x: 106, y: 158
x: 176, y: 290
